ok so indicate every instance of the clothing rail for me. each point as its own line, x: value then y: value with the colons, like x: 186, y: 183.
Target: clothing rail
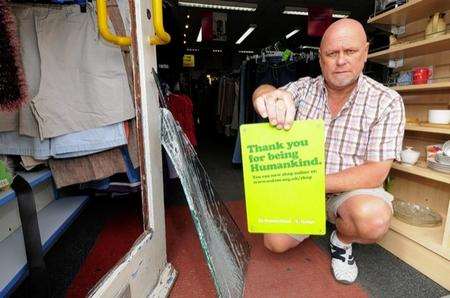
x: 308, y: 56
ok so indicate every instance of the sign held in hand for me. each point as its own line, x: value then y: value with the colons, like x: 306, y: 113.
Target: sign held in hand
x: 284, y: 177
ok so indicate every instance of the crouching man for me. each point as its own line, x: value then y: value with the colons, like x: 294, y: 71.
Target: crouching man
x: 364, y: 128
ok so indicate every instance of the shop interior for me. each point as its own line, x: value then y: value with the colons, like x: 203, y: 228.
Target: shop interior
x: 83, y: 162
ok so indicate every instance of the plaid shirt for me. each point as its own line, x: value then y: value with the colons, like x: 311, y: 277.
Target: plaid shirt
x: 370, y: 126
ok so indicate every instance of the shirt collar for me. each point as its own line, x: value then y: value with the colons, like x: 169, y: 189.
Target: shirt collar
x: 359, y: 86
x: 353, y: 95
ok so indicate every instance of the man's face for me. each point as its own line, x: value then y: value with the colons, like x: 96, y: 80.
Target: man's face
x: 342, y: 58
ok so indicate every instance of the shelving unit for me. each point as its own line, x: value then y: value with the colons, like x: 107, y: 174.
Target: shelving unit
x: 409, y: 12
x: 420, y: 169
x: 33, y: 178
x: 430, y: 129
x: 430, y: 238
x: 53, y: 221
x: 54, y: 216
x: 441, y: 86
x: 412, y: 49
x: 426, y: 249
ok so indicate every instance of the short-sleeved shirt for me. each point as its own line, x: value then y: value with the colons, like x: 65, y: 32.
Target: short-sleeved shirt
x: 369, y: 127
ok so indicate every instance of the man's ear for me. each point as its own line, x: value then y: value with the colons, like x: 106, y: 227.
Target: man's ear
x: 366, y: 50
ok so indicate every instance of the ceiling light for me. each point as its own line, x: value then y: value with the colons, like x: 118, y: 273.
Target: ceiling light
x: 309, y: 47
x: 218, y: 4
x: 247, y: 33
x: 297, y: 11
x: 188, y: 16
x: 187, y: 26
x: 199, y: 36
x: 184, y: 42
x: 302, y: 11
x: 245, y: 52
x: 184, y: 34
x: 341, y: 14
x: 292, y: 33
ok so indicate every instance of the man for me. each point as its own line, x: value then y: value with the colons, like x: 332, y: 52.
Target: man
x: 364, y: 127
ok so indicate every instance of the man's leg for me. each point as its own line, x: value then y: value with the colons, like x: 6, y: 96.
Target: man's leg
x: 361, y: 216
x: 363, y: 219
x: 280, y: 243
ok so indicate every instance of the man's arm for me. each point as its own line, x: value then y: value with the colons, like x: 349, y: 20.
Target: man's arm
x: 368, y: 175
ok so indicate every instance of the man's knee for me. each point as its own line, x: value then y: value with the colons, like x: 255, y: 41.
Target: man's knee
x: 279, y: 243
x: 372, y: 218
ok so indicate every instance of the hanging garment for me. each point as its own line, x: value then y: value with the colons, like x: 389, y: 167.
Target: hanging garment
x: 83, y: 83
x: 119, y: 183
x: 83, y: 79
x: 13, y: 88
x: 25, y: 123
x: 226, y: 101
x: 275, y: 72
x: 27, y: 18
x: 182, y: 109
x: 88, y: 168
x: 29, y: 163
x: 235, y: 118
x: 66, y: 146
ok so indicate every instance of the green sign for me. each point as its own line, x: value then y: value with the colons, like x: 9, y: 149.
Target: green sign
x: 284, y: 178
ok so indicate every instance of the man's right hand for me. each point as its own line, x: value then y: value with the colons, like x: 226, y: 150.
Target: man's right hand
x: 275, y: 104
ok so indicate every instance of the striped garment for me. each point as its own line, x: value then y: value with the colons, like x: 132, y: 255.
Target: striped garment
x: 370, y: 126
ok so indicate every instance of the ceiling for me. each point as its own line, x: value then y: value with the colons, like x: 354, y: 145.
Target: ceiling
x: 272, y: 25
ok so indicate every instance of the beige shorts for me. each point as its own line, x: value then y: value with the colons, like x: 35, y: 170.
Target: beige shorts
x: 336, y: 200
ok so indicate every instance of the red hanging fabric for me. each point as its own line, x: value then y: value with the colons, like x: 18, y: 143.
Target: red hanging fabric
x: 182, y: 110
x: 319, y: 19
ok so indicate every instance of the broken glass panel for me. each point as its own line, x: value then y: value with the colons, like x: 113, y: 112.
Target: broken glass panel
x: 225, y: 249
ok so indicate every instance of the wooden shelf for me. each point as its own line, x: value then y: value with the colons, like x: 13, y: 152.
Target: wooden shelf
x: 417, y: 127
x: 411, y: 11
x: 420, y: 169
x: 430, y: 238
x: 53, y: 221
x: 413, y: 49
x: 424, y: 260
x: 422, y: 87
x: 33, y: 178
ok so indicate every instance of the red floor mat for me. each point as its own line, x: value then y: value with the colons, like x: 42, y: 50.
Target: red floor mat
x: 114, y: 241
x: 301, y: 272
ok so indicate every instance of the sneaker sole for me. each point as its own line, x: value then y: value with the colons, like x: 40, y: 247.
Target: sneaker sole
x: 344, y: 282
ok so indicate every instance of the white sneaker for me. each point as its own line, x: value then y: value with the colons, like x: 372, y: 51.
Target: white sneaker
x: 342, y: 261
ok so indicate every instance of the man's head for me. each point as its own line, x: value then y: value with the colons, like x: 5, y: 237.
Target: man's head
x: 343, y: 52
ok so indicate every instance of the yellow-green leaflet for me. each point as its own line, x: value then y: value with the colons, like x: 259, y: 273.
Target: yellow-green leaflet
x: 284, y: 177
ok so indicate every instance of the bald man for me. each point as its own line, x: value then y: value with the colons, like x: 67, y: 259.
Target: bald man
x: 364, y: 128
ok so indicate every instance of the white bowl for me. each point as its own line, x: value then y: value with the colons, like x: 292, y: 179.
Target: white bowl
x: 409, y: 156
x: 439, y: 116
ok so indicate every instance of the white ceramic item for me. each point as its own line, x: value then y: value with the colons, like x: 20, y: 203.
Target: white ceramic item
x: 409, y: 156
x: 439, y: 116
x: 446, y: 148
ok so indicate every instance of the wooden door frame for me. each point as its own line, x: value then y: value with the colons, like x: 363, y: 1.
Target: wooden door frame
x: 144, y: 270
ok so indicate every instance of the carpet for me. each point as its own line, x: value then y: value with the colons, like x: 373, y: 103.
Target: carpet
x: 301, y: 272
x: 114, y: 241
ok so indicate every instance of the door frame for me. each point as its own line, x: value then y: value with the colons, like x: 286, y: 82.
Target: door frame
x: 144, y: 270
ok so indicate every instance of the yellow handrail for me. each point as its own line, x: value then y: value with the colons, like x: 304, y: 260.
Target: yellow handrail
x: 161, y: 36
x: 102, y: 19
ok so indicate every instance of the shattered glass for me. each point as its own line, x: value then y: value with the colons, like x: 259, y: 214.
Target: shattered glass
x: 225, y: 249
